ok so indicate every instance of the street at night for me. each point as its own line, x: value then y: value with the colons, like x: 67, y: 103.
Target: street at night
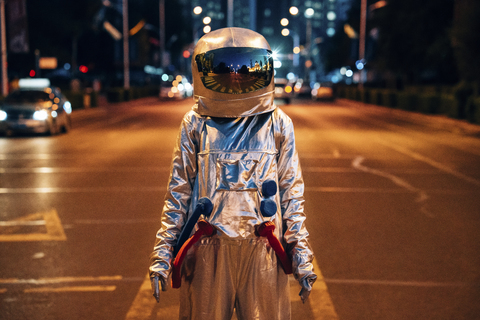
x: 392, y: 204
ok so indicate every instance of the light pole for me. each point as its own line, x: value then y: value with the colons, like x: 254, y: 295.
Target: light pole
x: 361, y: 44
x: 296, y: 41
x: 4, y: 49
x: 126, y: 63
x: 296, y: 45
x: 162, y: 32
x: 229, y: 13
x: 309, y: 12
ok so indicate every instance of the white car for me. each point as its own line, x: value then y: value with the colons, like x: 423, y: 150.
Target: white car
x: 35, y: 107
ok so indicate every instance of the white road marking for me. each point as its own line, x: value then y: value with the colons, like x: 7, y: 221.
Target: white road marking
x: 82, y: 169
x: 116, y: 221
x: 70, y: 289
x: 422, y: 195
x: 382, y: 190
x: 81, y: 190
x: 399, y: 283
x: 56, y: 280
x: 431, y: 162
x: 63, y: 280
x: 14, y: 223
x: 38, y: 255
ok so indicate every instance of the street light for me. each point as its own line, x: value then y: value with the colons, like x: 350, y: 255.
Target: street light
x: 284, y: 22
x: 293, y: 11
x: 197, y: 10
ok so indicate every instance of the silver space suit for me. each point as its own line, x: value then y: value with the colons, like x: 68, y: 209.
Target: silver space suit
x: 231, y: 144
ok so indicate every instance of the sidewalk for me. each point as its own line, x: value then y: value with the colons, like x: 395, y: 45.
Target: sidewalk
x: 439, y: 122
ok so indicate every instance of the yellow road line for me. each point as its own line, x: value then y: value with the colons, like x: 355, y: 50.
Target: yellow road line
x: 53, y: 225
x: 320, y: 300
x: 71, y: 289
x: 144, y: 302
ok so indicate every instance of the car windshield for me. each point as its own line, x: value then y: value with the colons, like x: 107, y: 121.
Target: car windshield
x: 27, y: 97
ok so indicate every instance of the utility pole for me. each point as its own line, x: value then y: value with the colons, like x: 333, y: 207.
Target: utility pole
x: 230, y: 13
x: 4, y: 49
x: 361, y: 42
x: 253, y: 15
x: 162, y: 32
x: 126, y: 63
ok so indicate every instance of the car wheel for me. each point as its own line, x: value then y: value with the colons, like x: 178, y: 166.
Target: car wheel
x: 67, y: 125
x: 52, y: 128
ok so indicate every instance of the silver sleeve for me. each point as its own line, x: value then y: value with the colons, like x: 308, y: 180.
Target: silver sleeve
x: 177, y: 199
x: 291, y: 189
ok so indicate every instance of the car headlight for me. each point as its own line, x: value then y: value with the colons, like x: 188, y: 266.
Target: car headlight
x: 67, y: 106
x: 3, y: 115
x: 40, y: 115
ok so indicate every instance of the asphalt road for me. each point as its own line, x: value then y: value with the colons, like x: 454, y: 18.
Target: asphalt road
x: 392, y: 200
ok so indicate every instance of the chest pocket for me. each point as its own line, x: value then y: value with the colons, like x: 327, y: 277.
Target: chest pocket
x: 236, y: 175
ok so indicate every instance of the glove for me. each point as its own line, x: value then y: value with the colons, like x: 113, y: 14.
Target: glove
x: 307, y: 283
x: 154, y: 281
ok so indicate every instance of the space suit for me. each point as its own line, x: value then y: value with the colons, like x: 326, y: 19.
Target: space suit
x: 236, y: 149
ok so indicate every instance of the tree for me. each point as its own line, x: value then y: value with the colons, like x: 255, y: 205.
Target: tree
x: 466, y: 38
x: 414, y: 40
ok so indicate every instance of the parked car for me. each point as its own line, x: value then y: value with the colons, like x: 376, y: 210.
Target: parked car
x: 35, y: 107
x: 283, y: 90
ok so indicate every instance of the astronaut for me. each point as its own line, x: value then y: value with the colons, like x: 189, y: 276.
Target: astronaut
x: 235, y: 158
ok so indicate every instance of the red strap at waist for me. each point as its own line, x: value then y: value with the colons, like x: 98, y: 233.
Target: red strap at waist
x: 266, y: 230
x: 204, y: 228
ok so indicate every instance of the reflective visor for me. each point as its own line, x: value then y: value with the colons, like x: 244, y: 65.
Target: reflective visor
x: 235, y: 70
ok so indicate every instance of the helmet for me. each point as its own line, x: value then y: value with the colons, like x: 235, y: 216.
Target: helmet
x: 232, y: 70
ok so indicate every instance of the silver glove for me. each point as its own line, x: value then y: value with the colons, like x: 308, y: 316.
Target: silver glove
x: 154, y: 280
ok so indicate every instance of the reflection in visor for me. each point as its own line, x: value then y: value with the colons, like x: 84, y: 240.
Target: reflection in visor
x: 235, y: 70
